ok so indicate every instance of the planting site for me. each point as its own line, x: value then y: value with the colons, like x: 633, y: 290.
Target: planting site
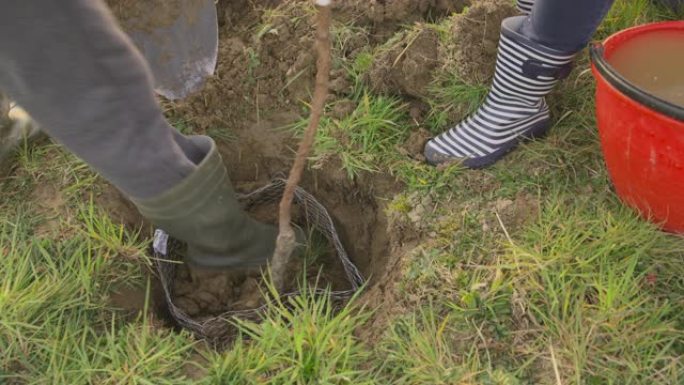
x: 531, y: 271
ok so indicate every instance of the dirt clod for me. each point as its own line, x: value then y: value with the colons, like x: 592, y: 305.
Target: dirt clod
x: 415, y: 60
x: 188, y: 305
x: 406, y: 66
x: 147, y: 15
x: 477, y: 34
x: 342, y: 109
x: 386, y: 16
x: 415, y: 144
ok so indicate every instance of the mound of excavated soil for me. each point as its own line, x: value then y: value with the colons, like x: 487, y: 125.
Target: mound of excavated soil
x: 476, y: 37
x: 227, y: 98
x: 413, y: 60
x: 407, y: 67
x: 386, y: 16
x: 266, y: 60
x: 268, y: 65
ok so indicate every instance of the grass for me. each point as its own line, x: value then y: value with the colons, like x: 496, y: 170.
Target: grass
x: 530, y: 272
x: 451, y: 91
x: 588, y: 283
x: 363, y: 138
x: 305, y: 341
x: 55, y: 325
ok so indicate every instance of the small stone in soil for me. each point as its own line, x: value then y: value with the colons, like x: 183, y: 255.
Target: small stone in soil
x: 181, y: 288
x: 188, y: 305
x: 206, y: 299
x: 250, y: 297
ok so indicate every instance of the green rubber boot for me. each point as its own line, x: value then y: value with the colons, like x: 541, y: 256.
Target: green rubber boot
x: 203, y: 212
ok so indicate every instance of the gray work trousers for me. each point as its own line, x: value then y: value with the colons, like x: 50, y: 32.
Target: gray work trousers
x: 82, y: 80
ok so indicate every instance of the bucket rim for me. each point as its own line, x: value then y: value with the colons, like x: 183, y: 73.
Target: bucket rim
x: 610, y: 75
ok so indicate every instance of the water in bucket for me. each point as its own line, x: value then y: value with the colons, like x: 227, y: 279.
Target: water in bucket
x: 654, y: 62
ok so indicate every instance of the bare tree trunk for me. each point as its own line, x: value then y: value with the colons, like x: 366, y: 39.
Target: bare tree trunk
x: 286, y: 242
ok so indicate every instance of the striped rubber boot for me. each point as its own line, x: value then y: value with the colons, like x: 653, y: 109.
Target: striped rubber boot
x: 514, y: 109
x: 525, y: 6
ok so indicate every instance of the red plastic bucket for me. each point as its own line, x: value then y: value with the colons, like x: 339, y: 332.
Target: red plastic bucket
x: 642, y: 136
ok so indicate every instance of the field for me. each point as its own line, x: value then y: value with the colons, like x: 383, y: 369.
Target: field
x: 529, y: 272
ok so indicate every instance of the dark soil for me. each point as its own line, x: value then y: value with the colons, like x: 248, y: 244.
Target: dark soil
x: 414, y: 60
x: 406, y: 68
x: 132, y: 301
x: 147, y: 15
x: 129, y: 299
x: 206, y: 294
x: 477, y: 34
x: 385, y: 17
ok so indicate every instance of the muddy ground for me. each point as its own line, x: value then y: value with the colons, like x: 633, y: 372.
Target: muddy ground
x: 203, y: 294
x: 264, y: 78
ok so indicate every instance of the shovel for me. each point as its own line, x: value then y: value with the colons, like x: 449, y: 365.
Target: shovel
x: 179, y: 41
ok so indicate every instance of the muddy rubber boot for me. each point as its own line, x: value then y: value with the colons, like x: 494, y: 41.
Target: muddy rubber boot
x: 524, y: 6
x: 203, y: 212
x: 515, y: 108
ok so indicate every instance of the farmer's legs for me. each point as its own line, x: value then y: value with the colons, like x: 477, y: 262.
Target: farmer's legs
x: 78, y: 75
x: 535, y: 52
x: 68, y: 64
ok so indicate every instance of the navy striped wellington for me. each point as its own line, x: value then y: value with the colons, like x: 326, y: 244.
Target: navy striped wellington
x: 515, y: 108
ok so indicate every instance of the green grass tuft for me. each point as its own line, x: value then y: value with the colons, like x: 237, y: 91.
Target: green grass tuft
x: 598, y: 278
x: 364, y: 139
x: 301, y: 341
